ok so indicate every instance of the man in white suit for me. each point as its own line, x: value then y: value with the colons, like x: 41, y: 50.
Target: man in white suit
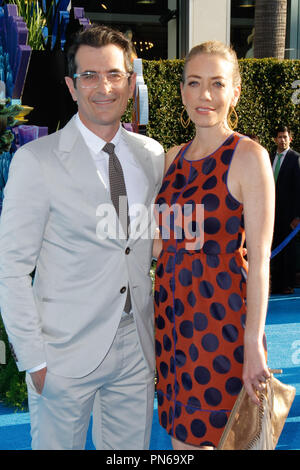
x: 84, y: 327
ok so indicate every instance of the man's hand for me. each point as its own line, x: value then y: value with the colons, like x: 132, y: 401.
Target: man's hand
x: 38, y: 379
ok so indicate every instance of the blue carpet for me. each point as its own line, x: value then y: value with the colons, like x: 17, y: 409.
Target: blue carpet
x: 283, y: 336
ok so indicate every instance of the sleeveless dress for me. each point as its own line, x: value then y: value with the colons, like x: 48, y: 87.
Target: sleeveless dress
x: 200, y: 297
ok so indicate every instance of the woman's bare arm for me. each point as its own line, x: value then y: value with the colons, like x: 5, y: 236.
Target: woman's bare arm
x: 252, y: 170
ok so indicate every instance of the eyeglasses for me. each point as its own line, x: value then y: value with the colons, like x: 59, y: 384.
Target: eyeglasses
x: 92, y: 79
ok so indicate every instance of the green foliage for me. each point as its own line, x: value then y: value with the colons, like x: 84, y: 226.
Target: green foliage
x: 265, y: 103
x: 152, y: 272
x: 266, y: 99
x: 163, y: 81
x: 35, y: 20
x: 8, y: 114
x: 37, y: 15
x: 13, y: 390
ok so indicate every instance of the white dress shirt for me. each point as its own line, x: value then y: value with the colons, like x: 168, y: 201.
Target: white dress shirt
x: 135, y: 180
x: 134, y: 177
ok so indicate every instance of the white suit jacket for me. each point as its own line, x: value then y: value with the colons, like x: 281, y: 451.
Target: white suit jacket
x: 50, y: 221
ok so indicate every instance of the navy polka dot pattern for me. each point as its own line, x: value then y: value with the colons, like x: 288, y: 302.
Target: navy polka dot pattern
x: 200, y: 297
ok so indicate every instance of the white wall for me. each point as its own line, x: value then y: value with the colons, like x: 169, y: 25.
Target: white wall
x: 172, y: 34
x: 209, y: 20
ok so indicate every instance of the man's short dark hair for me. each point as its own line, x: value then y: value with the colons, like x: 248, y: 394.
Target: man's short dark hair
x: 282, y: 129
x: 99, y: 36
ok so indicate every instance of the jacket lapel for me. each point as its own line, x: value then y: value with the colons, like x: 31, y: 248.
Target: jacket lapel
x: 76, y: 158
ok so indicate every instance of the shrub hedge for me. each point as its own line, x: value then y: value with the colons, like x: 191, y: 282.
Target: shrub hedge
x: 13, y: 391
x: 265, y: 103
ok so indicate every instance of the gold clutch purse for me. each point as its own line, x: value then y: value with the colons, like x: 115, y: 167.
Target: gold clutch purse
x: 252, y: 427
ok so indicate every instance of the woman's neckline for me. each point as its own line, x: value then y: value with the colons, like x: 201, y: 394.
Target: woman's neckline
x: 207, y: 156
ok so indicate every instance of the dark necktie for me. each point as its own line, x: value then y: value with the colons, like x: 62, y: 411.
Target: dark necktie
x: 117, y: 191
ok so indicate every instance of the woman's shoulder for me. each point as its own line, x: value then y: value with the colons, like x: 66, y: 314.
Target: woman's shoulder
x: 171, y: 155
x: 251, y: 159
x: 249, y: 150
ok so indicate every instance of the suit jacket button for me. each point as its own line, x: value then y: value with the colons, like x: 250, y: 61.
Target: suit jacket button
x: 127, y: 251
x: 123, y: 290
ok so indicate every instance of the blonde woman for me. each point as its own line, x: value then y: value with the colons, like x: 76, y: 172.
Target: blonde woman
x: 211, y: 307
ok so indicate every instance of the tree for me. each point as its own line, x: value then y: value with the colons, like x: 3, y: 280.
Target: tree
x: 270, y: 28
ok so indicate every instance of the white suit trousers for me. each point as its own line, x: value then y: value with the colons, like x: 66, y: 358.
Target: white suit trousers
x: 120, y: 392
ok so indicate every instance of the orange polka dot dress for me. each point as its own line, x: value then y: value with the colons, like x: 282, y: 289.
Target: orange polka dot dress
x: 200, y: 297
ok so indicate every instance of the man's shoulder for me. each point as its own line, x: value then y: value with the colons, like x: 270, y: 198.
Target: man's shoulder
x: 151, y: 147
x: 293, y: 160
x: 43, y: 144
x: 140, y: 139
x: 292, y: 153
x: 49, y: 142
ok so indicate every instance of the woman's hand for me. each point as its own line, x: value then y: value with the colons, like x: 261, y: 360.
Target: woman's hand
x: 157, y: 245
x: 255, y: 370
